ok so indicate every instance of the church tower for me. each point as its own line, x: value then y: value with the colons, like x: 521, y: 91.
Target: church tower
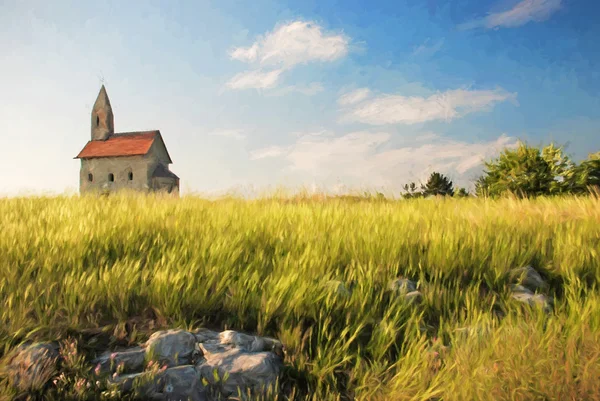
x: 103, y: 125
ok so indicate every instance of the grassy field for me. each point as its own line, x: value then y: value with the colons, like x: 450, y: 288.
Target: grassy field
x: 130, y: 264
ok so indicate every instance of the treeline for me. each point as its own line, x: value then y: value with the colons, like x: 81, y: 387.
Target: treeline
x: 525, y: 171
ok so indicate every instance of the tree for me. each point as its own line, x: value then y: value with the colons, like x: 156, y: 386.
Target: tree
x: 462, y: 193
x: 587, y: 175
x: 438, y: 184
x: 528, y: 171
x: 411, y: 191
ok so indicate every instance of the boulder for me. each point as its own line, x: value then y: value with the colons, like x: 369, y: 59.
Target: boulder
x: 171, y: 347
x: 526, y: 296
x: 250, y: 343
x: 204, y: 335
x: 528, y: 277
x: 179, y: 383
x: 402, y: 286
x: 131, y: 360
x: 236, y: 369
x: 31, y: 365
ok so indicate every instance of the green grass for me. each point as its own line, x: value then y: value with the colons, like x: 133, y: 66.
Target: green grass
x: 129, y: 264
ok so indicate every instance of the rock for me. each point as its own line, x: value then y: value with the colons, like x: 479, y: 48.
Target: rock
x: 204, y: 335
x: 413, y: 296
x: 254, y: 372
x: 132, y: 360
x: 246, y: 342
x: 31, y: 365
x: 525, y: 295
x: 173, y: 384
x: 402, y: 286
x: 179, y: 383
x: 172, y: 347
x: 528, y: 277
x: 339, y: 288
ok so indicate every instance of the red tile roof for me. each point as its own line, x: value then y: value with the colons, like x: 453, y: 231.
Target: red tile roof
x: 120, y: 144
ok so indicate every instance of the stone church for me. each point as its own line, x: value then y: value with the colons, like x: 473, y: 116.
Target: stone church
x: 133, y: 160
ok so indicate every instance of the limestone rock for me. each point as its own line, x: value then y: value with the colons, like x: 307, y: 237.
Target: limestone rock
x: 32, y: 365
x: 402, y: 286
x: 132, y: 360
x: 256, y: 372
x: 179, y: 383
x: 172, y: 347
x: 528, y: 277
x: 250, y: 343
x: 413, y: 296
x: 525, y: 295
x: 204, y: 335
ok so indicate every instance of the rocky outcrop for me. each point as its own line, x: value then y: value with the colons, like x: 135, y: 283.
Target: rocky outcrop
x: 406, y: 289
x: 172, y: 365
x: 32, y: 365
x: 528, y: 297
x: 199, y: 366
x: 526, y: 284
x: 529, y: 278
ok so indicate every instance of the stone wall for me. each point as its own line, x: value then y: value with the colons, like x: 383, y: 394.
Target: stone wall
x: 120, y: 167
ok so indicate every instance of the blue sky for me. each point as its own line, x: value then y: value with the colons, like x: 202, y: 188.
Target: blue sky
x: 334, y: 94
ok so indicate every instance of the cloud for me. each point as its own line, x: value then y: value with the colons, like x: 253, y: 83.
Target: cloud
x: 230, y: 133
x: 522, y: 13
x: 368, y: 158
x: 428, y: 49
x: 288, y: 45
x: 309, y: 90
x: 255, y: 79
x: 354, y: 97
x: 294, y: 43
x: 397, y: 109
x: 271, y: 151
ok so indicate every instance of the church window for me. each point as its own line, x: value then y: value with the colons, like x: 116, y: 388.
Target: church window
x: 130, y: 176
x: 111, y: 177
x: 90, y: 177
x: 97, y: 121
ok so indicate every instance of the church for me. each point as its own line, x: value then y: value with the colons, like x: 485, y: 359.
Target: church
x: 126, y: 160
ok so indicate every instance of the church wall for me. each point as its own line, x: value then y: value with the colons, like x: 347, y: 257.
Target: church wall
x: 166, y: 184
x: 120, y: 167
x: 157, y: 154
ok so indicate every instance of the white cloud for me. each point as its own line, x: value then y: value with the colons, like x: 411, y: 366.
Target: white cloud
x: 358, y: 158
x: 354, y: 97
x: 429, y: 49
x: 230, y: 133
x: 308, y: 90
x: 522, y: 13
x: 255, y: 79
x: 294, y: 43
x: 271, y: 151
x: 290, y: 44
x: 397, y: 109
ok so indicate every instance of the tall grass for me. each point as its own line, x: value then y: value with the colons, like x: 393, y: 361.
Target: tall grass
x: 314, y: 272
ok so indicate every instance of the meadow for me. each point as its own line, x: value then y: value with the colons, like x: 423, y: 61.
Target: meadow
x: 314, y: 273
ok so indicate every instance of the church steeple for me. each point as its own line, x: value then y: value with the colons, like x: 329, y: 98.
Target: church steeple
x: 103, y: 125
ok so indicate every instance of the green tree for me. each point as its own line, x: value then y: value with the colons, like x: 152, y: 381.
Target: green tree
x: 561, y: 169
x: 528, y: 171
x: 462, y: 193
x: 587, y: 174
x: 411, y: 191
x: 438, y: 184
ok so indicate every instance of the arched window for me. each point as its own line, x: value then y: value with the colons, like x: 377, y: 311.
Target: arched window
x: 97, y: 121
x: 130, y: 176
x: 111, y: 177
x: 90, y: 177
